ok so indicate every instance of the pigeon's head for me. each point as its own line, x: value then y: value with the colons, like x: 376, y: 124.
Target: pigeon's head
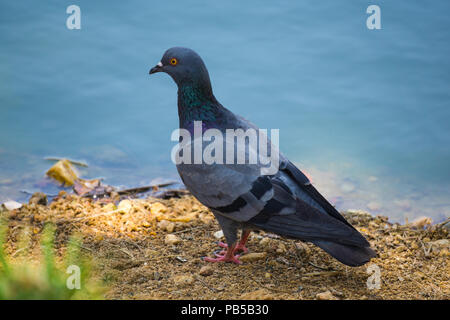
x: 184, y: 65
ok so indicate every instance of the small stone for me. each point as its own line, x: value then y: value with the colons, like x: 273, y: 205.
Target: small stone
x: 265, y: 242
x: 253, y: 256
x: 11, y: 205
x: 163, y: 224
x: 171, y: 239
x: 261, y: 294
x: 170, y: 227
x: 220, y: 287
x: 421, y: 222
x: 38, y: 198
x: 206, y: 271
x: 444, y: 253
x: 125, y: 206
x: 302, y: 248
x: 440, y: 245
x: 183, y: 280
x: 327, y: 295
x: 281, y: 248
x: 166, y: 225
x: 157, y: 208
x: 206, y: 218
x: 218, y: 234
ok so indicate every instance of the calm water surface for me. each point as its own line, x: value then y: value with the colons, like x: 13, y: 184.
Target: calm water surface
x: 365, y: 113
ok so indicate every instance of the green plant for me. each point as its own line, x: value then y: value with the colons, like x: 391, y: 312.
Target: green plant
x: 46, y: 278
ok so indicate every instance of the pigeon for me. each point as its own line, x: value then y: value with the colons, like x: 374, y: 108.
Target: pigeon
x: 241, y: 195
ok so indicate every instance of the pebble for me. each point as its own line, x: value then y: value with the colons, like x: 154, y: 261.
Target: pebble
x: 281, y: 248
x: 171, y: 239
x: 440, y: 246
x: 125, y: 206
x: 158, y: 208
x: 206, y: 271
x: 11, y: 205
x: 253, y: 256
x: 166, y: 225
x: 264, y: 242
x: 302, y: 248
x: 183, y: 280
x: 218, y: 234
x: 38, y: 198
x: 327, y: 295
x: 421, y: 222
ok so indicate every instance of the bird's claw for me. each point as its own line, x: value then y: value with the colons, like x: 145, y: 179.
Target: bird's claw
x: 239, y: 247
x: 224, y: 258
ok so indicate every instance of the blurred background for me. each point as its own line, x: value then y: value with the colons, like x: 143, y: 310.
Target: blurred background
x: 364, y: 112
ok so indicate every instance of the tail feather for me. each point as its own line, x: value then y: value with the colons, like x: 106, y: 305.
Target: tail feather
x: 350, y: 255
x: 339, y: 240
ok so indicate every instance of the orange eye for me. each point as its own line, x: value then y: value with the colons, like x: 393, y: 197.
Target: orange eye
x: 173, y: 61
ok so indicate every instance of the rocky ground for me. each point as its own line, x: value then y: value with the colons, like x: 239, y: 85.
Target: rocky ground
x: 152, y: 248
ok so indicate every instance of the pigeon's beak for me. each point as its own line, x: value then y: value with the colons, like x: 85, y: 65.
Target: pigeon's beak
x: 157, y: 68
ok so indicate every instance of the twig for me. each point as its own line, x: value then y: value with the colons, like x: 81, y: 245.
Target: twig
x: 128, y: 191
x: 321, y: 268
x: 326, y: 273
x: 134, y: 244
x: 441, y: 224
x: 144, y: 189
x: 197, y: 277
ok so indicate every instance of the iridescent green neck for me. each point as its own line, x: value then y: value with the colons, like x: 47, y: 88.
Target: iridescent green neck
x: 196, y: 104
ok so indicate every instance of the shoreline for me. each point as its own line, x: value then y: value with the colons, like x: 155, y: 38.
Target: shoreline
x: 151, y: 249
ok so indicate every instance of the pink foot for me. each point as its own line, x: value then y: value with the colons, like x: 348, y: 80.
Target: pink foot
x: 224, y: 258
x: 227, y: 257
x: 239, y: 247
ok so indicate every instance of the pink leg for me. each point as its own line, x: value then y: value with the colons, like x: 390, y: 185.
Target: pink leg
x: 227, y: 257
x: 240, y: 246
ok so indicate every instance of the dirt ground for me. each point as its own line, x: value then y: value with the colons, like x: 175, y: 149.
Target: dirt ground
x: 152, y: 249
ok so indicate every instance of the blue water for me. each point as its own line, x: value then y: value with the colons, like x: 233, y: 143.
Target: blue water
x: 365, y: 112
